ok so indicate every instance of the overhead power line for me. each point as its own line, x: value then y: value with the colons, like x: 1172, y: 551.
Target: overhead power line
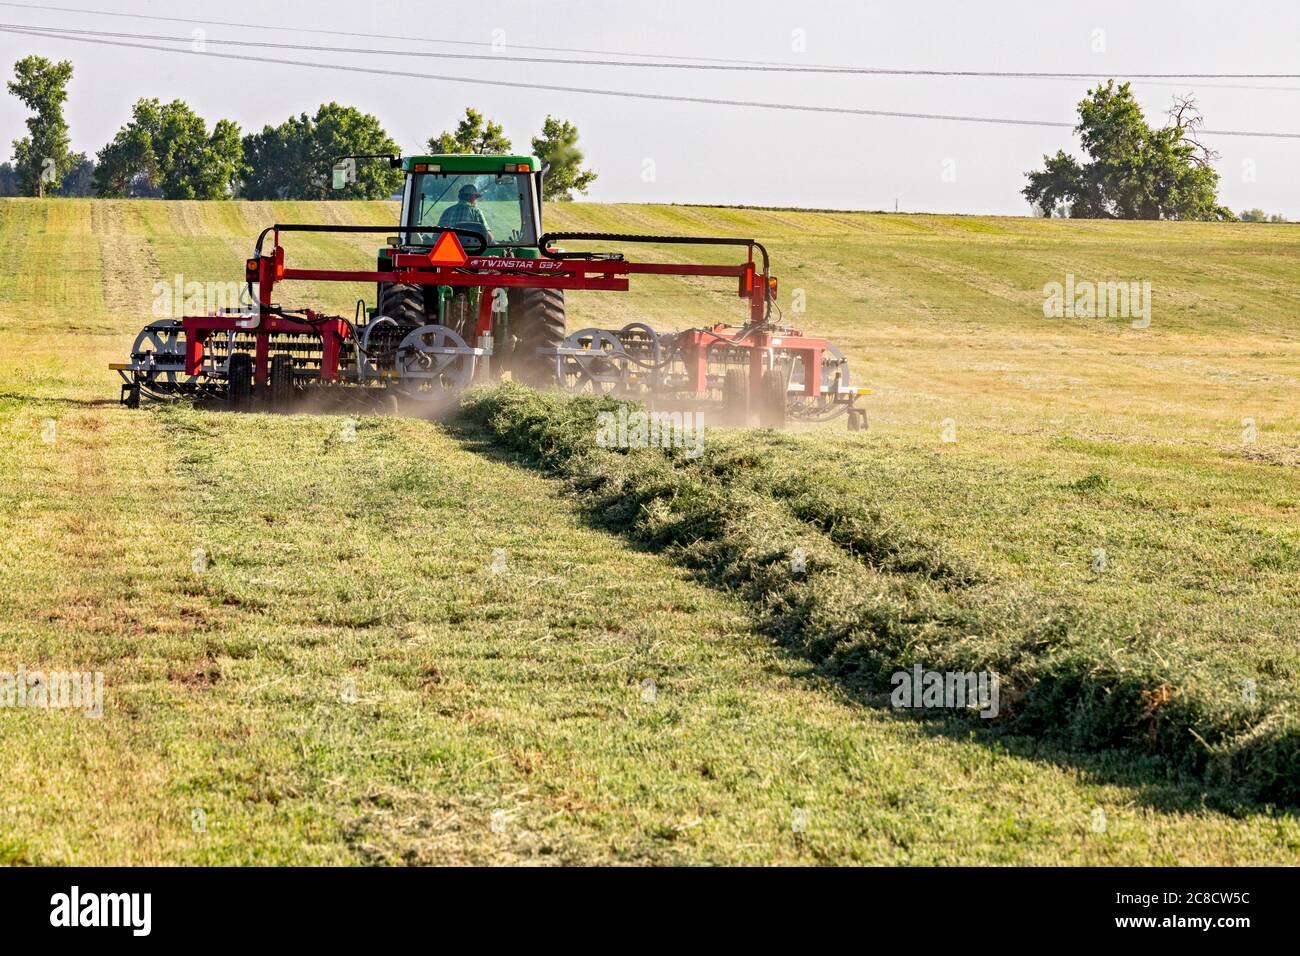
x: 674, y: 62
x: 587, y: 91
x: 666, y: 65
x: 42, y: 7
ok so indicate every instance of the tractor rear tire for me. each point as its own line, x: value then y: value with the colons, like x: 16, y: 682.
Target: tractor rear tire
x: 282, y: 386
x: 773, y: 409
x: 536, y: 320
x: 239, y: 382
x: 735, y: 397
x: 404, y: 304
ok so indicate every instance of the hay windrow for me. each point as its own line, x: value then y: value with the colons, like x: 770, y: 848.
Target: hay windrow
x: 875, y: 599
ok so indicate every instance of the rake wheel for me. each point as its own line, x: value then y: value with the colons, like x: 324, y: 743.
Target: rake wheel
x: 282, y: 384
x: 598, y: 365
x: 239, y: 382
x: 735, y: 397
x: 428, y: 365
x: 161, y: 346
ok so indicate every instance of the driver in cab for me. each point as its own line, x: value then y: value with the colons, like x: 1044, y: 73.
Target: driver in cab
x: 465, y: 214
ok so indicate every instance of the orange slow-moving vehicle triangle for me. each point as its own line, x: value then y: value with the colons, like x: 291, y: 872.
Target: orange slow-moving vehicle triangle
x: 447, y: 251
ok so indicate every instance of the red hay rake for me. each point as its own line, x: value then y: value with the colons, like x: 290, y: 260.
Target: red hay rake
x: 264, y: 351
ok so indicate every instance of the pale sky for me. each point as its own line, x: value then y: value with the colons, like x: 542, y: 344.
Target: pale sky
x: 723, y: 154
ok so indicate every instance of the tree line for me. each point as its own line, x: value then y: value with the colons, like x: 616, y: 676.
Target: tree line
x: 1134, y: 170
x: 168, y: 151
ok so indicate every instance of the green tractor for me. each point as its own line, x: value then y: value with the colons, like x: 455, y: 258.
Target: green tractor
x: 494, y: 205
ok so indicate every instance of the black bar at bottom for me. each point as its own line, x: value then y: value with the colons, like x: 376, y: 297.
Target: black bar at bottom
x: 941, y: 907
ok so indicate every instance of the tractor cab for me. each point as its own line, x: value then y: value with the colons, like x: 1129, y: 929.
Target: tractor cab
x: 494, y: 198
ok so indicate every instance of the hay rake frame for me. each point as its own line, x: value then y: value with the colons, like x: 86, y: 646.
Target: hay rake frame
x: 756, y: 368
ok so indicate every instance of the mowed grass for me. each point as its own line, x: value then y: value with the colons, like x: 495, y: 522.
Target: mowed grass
x: 873, y: 596
x: 349, y: 680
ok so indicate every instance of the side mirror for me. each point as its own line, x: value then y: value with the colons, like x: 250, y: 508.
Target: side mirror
x: 345, y: 167
x: 345, y: 171
x: 541, y: 174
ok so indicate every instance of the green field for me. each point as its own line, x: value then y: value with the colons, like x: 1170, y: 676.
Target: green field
x: 427, y: 642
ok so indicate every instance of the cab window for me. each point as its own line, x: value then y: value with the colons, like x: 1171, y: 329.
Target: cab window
x: 497, y: 206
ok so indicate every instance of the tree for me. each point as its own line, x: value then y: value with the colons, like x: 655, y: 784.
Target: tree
x: 295, y: 159
x: 1258, y: 215
x: 166, y: 150
x: 41, y: 158
x: 474, y: 134
x: 80, y: 179
x: 558, y: 145
x: 1056, y: 185
x: 8, y: 180
x: 1135, y: 171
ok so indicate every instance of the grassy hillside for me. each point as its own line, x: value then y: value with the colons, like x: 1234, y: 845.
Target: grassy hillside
x: 350, y: 680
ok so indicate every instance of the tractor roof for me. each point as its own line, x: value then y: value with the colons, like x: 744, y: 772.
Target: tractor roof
x: 470, y: 163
